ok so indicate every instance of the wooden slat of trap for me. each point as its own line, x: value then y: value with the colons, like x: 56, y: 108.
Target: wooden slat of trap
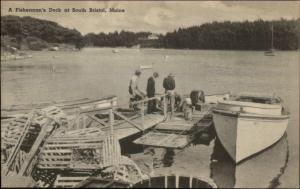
x: 55, y: 156
x: 58, y: 166
x: 56, y: 162
x: 82, y: 131
x: 51, y: 158
x: 35, y: 148
x: 68, y: 136
x: 73, y: 141
x: 45, y: 151
x: 63, y: 182
x: 61, y: 146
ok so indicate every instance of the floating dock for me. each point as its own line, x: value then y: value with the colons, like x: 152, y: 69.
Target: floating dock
x: 176, y: 133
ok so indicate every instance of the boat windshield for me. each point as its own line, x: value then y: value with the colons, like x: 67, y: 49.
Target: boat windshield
x: 261, y: 100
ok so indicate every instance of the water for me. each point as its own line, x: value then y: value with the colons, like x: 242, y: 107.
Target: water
x: 97, y: 72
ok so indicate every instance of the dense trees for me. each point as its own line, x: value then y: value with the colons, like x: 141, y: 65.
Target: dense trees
x: 237, y: 35
x: 255, y: 35
x: 245, y: 35
x: 48, y: 31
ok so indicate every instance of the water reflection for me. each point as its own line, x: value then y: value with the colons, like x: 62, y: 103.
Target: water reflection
x: 262, y: 170
x: 168, y: 158
x: 13, y: 68
x: 206, y: 157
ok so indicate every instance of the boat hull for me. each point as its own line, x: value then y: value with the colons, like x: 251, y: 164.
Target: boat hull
x: 244, y: 135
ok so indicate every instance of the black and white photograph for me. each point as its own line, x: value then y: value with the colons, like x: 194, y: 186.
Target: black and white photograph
x: 150, y: 94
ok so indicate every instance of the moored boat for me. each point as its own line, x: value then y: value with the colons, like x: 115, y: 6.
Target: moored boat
x: 271, y: 51
x: 248, y: 124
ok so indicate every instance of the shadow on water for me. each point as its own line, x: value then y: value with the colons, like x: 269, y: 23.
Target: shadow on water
x: 128, y: 147
x: 164, y: 157
x: 205, y: 137
x: 168, y: 158
x: 161, y: 156
x: 261, y: 170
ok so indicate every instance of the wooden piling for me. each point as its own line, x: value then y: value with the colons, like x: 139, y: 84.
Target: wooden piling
x: 165, y: 106
x: 143, y: 114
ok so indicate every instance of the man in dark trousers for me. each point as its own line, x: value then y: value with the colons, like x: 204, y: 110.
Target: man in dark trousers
x: 151, y: 92
x: 169, y: 86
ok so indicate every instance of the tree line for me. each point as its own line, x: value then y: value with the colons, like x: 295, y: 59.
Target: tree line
x: 246, y: 35
x: 256, y: 35
x: 115, y: 39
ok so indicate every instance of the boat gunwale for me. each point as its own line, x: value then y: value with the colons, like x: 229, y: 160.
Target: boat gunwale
x: 249, y: 104
x: 249, y: 115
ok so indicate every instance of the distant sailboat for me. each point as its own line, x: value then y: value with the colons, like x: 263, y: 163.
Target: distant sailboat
x: 271, y: 52
x: 166, y: 57
x: 137, y: 47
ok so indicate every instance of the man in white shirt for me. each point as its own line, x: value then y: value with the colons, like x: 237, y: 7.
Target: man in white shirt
x: 135, y: 93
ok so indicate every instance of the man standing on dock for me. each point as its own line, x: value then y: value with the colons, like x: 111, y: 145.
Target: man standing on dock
x: 169, y: 86
x: 151, y: 93
x: 134, y: 91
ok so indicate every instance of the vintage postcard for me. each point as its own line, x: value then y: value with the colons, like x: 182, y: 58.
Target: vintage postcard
x: 144, y: 94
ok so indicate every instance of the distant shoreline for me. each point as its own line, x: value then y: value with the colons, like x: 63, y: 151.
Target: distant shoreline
x: 258, y: 35
x: 122, y: 47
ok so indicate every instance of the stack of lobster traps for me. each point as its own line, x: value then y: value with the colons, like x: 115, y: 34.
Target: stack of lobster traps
x: 59, y: 149
x: 45, y: 143
x: 87, y: 148
x: 23, y: 136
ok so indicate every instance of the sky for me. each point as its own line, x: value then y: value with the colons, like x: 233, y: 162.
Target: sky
x: 157, y: 17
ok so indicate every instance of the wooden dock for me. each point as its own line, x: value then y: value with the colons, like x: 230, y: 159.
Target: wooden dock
x: 176, y: 133
x: 118, y: 123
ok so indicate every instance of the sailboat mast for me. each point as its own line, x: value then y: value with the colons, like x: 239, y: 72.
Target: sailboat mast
x: 272, y: 37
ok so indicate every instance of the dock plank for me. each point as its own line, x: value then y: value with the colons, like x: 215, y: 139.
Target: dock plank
x: 168, y: 140
x: 126, y: 129
x: 174, y: 126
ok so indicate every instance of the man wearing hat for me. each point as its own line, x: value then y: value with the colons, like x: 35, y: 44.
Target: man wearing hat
x: 151, y: 92
x: 169, y: 86
x: 134, y: 91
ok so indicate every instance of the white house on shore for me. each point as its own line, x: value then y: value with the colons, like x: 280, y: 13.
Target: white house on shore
x: 153, y: 37
x: 149, y: 37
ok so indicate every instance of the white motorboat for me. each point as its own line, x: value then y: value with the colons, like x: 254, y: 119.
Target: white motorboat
x: 115, y: 51
x: 248, y: 124
x: 145, y: 67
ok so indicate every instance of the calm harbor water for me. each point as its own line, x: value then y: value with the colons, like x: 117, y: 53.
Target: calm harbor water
x: 95, y: 72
